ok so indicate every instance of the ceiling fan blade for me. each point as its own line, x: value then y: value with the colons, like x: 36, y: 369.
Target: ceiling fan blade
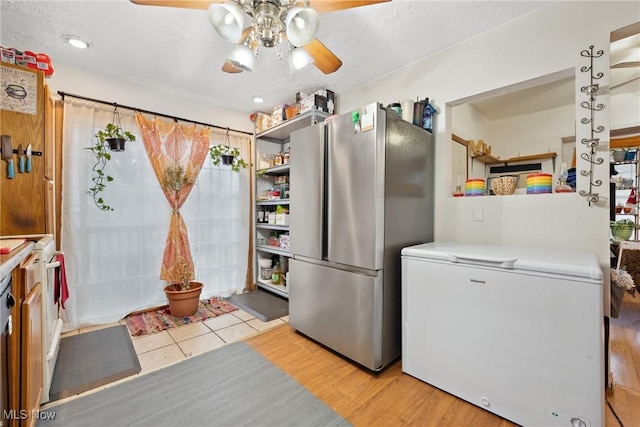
x: 630, y: 64
x: 323, y: 58
x: 184, y: 4
x: 228, y: 67
x: 323, y: 6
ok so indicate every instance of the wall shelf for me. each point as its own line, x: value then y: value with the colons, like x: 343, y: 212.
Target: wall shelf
x: 491, y: 160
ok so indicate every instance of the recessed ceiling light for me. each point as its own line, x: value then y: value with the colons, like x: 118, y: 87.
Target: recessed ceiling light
x: 75, y: 41
x: 258, y: 99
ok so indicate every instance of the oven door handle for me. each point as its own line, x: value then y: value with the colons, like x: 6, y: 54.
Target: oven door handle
x: 51, y: 265
x: 54, y: 264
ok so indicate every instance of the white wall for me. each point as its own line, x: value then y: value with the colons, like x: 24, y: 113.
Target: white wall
x: 625, y: 108
x: 78, y: 81
x: 544, y: 42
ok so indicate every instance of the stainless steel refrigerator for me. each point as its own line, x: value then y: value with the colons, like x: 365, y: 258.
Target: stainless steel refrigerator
x: 361, y: 190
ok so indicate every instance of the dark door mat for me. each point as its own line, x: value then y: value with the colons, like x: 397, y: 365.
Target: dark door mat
x: 262, y: 304
x: 93, y: 359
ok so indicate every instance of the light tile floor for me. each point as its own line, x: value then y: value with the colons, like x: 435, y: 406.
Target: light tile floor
x: 156, y: 351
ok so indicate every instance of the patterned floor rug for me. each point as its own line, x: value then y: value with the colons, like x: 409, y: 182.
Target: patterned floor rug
x: 159, y: 320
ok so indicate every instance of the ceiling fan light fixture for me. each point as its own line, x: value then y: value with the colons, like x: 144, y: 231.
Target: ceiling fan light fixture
x: 302, y: 25
x: 227, y: 19
x: 242, y: 57
x: 298, y: 58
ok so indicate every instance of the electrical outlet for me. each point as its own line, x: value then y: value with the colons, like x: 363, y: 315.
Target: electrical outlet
x: 477, y: 212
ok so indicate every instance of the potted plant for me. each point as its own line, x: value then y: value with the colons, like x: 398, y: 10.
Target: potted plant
x: 115, y: 137
x: 227, y: 155
x: 182, y: 292
x: 111, y: 134
x: 622, y: 229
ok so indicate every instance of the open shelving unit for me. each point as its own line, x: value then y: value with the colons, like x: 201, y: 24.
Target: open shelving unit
x: 271, y: 141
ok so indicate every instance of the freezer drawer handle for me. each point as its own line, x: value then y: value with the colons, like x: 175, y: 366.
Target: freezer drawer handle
x: 489, y: 262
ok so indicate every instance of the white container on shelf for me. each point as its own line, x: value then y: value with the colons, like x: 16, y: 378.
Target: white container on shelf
x: 264, y: 266
x: 282, y: 219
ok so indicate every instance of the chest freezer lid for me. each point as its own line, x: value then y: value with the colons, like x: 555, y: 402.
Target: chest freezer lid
x: 552, y: 261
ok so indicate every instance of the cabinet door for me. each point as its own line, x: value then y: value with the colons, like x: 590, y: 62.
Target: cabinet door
x: 32, y: 354
x: 22, y: 198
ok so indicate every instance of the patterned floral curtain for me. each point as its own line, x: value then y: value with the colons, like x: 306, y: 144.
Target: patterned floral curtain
x: 177, y: 154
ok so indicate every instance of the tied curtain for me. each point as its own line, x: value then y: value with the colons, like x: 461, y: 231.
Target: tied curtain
x: 177, y: 154
x: 112, y: 258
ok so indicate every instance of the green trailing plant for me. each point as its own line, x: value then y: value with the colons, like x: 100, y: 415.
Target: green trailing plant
x: 102, y: 156
x: 112, y: 131
x: 227, y: 155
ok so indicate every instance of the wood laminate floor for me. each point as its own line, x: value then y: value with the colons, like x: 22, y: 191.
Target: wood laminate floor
x: 392, y: 398
x: 624, y: 348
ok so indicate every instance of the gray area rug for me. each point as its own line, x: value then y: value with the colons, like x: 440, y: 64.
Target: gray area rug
x: 231, y: 386
x: 262, y: 304
x: 92, y: 359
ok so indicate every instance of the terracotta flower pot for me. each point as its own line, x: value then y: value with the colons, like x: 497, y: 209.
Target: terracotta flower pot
x: 183, y: 303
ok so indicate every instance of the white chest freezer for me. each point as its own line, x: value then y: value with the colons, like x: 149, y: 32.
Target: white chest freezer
x: 516, y: 331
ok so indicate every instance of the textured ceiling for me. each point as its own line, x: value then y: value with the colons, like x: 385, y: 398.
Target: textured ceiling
x: 177, y: 50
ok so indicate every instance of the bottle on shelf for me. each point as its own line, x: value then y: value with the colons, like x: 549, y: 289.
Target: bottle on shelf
x: 276, y: 274
x: 260, y: 214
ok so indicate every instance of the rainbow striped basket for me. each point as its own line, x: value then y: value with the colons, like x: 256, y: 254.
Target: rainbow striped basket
x: 475, y: 187
x: 539, y: 183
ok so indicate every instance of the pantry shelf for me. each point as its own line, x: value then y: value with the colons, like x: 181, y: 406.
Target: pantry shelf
x: 273, y: 250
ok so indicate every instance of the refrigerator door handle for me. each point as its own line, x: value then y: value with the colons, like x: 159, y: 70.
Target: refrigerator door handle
x: 506, y: 263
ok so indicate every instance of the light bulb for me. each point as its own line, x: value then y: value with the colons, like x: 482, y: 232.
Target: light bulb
x: 299, y: 22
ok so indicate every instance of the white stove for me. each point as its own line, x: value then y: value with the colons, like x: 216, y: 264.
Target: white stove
x: 52, y: 312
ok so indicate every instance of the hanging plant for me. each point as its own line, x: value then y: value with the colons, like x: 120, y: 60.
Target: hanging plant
x: 227, y: 155
x: 113, y: 138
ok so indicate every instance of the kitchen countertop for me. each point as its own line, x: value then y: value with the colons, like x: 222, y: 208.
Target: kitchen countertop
x: 9, y: 261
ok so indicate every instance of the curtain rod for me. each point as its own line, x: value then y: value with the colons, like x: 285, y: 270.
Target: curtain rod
x: 140, y: 110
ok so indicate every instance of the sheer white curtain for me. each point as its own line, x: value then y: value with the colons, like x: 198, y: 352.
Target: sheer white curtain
x: 113, y: 258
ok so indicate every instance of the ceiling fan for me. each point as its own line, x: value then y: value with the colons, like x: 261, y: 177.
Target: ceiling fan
x: 293, y: 23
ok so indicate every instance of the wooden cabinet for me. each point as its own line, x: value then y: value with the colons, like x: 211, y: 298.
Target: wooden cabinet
x: 23, y: 198
x: 25, y: 358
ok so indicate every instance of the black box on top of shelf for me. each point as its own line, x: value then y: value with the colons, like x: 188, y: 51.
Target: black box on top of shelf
x: 316, y: 101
